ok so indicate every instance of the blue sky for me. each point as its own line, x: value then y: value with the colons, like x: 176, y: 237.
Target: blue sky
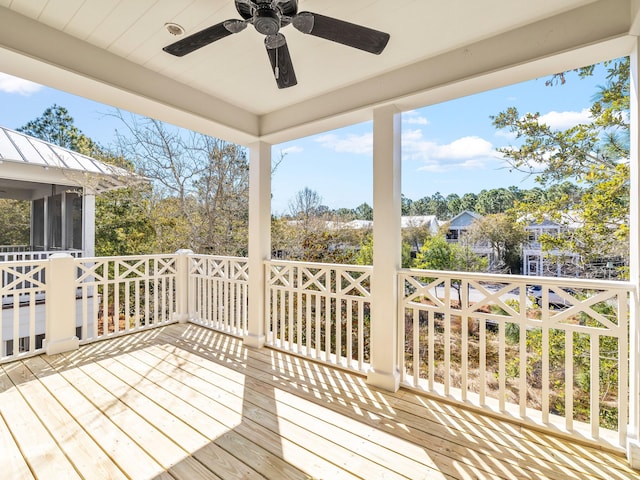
x: 446, y: 148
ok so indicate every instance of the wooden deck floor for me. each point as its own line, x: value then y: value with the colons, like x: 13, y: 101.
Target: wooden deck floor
x: 187, y: 403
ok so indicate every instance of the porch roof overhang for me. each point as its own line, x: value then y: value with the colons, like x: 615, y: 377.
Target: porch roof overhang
x: 112, y: 52
x: 26, y: 163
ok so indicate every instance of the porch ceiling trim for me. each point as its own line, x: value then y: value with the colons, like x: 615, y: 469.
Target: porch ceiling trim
x: 593, y: 32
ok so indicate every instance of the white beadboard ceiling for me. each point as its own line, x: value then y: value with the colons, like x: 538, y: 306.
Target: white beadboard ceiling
x: 111, y: 51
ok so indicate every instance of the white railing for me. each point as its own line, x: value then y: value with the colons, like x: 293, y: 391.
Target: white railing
x: 320, y: 311
x: 550, y: 351
x: 26, y: 255
x: 14, y: 248
x: 119, y: 295
x: 22, y: 291
x: 218, y: 293
x: 30, y: 256
x: 553, y: 351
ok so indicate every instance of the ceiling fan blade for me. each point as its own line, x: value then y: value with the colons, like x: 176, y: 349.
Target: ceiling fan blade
x: 350, y: 34
x: 280, y: 60
x: 205, y: 37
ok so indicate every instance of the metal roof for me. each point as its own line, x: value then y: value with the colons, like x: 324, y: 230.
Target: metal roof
x: 27, y: 158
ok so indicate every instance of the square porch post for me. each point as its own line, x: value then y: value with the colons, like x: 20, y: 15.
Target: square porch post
x: 88, y: 223
x: 387, y: 243
x: 633, y: 429
x: 259, y: 238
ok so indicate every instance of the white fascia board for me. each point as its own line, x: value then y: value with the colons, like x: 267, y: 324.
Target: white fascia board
x: 590, y: 34
x: 39, y: 53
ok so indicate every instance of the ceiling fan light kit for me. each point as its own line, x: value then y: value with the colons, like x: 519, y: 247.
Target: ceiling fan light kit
x: 268, y: 17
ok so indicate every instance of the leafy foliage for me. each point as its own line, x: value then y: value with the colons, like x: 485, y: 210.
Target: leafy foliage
x: 593, y: 155
x: 504, y: 236
x: 56, y: 126
x: 200, y: 186
x: 14, y: 222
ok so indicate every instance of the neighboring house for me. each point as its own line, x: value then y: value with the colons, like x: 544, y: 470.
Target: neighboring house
x: 460, y: 224
x: 535, y: 261
x: 456, y: 231
x: 61, y: 186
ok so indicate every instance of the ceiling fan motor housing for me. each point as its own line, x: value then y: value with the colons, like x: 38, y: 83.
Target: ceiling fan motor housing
x: 266, y: 20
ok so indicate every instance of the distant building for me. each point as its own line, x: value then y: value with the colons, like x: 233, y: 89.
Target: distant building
x: 535, y: 261
x: 460, y: 224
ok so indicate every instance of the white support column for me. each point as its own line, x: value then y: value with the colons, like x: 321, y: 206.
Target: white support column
x: 259, y: 238
x: 89, y: 224
x: 387, y: 245
x: 60, y: 305
x: 633, y: 429
x: 183, y: 306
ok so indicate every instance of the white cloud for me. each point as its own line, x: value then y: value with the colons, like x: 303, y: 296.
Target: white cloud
x: 463, y: 153
x: 359, y: 144
x: 465, y: 147
x: 504, y: 133
x: 10, y: 84
x: 292, y: 149
x: 414, y: 118
x: 564, y: 120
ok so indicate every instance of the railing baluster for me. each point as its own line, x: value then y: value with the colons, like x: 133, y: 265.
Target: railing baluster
x: 568, y: 379
x: 528, y: 344
x: 594, y: 370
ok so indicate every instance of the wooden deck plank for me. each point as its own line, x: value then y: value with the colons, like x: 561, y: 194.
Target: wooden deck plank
x: 11, y: 459
x: 218, y: 459
x: 449, y: 423
x: 132, y: 459
x: 434, y: 451
x: 259, y: 425
x: 42, y: 452
x: 304, y: 429
x: 536, y: 458
x: 302, y: 456
x: 229, y: 438
x: 184, y: 402
x: 161, y: 448
x: 192, y: 469
x: 86, y: 456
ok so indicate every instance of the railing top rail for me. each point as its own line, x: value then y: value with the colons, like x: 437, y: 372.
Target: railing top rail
x: 23, y: 263
x: 127, y: 257
x: 217, y: 257
x: 528, y: 279
x: 320, y: 265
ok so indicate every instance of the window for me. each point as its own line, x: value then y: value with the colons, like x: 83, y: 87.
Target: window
x: 37, y: 224
x: 73, y: 220
x: 55, y: 222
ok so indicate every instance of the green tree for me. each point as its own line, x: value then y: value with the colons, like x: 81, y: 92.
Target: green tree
x: 14, y: 222
x: 122, y: 224
x: 200, y: 186
x: 496, y: 200
x: 505, y: 238
x: 56, y: 126
x: 438, y: 254
x: 454, y: 205
x: 468, y: 202
x: 365, y: 252
x: 593, y: 155
x: 364, y: 211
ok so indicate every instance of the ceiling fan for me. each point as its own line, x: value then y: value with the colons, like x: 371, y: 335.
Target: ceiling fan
x: 268, y: 17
